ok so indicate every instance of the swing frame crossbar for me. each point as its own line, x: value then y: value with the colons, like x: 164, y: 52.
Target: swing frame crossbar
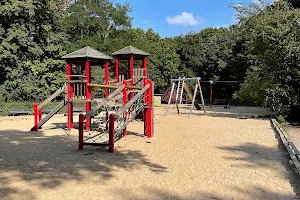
x: 185, y: 86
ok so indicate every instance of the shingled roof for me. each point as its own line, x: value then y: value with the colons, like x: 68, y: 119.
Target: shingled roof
x: 130, y: 50
x: 87, y: 52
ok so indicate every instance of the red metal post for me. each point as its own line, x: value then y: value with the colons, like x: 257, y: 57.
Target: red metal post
x: 35, y: 112
x: 70, y: 97
x: 124, y: 102
x: 150, y: 105
x: 88, y: 94
x: 81, y: 119
x: 117, y: 70
x: 111, y: 133
x: 144, y: 63
x: 131, y: 68
x: 106, y: 75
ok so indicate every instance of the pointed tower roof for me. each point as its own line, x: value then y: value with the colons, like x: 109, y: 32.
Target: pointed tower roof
x: 126, y: 52
x: 87, y: 52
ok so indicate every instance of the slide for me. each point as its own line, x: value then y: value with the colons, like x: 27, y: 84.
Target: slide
x: 189, y: 94
x: 51, y: 114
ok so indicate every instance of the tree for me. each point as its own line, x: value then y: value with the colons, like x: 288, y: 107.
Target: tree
x: 30, y: 48
x: 273, y: 50
x: 95, y: 20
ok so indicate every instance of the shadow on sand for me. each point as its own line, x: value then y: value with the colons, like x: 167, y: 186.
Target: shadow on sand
x: 51, y: 160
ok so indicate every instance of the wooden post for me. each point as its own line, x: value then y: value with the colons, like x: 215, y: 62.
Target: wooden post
x: 88, y: 94
x: 111, y: 133
x: 181, y: 92
x: 124, y: 102
x: 170, y: 98
x: 177, y: 93
x: 194, y: 97
x: 36, y: 120
x: 81, y: 121
x: 201, y: 96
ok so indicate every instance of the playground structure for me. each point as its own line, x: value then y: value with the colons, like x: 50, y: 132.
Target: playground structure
x: 112, y: 115
x: 211, y: 88
x: 182, y: 86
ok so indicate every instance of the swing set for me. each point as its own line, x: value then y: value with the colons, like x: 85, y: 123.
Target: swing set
x: 183, y: 86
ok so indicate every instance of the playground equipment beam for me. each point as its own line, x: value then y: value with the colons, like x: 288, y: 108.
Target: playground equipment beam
x: 130, y: 87
x: 131, y: 101
x: 185, y: 79
x: 104, y: 101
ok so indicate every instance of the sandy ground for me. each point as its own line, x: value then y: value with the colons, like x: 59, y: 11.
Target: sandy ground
x: 218, y: 156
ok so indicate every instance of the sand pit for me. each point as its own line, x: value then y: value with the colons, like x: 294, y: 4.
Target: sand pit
x: 203, y: 157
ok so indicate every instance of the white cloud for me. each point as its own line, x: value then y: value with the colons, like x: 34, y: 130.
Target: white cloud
x: 186, y: 19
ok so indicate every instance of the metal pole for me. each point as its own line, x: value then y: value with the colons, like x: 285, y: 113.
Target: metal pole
x: 88, y: 95
x: 170, y: 98
x: 70, y: 96
x: 201, y: 96
x: 36, y: 120
x: 194, y: 97
x: 152, y: 88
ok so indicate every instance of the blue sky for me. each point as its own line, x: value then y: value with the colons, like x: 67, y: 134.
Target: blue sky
x: 176, y: 17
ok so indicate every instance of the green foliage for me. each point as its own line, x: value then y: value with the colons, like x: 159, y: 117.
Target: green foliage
x: 30, y: 48
x: 262, y: 49
x: 272, y: 39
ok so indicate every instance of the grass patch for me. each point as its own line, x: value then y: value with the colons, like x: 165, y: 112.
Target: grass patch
x: 5, y: 106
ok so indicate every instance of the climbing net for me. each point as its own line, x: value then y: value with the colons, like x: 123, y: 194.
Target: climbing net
x: 99, y: 132
x: 121, y: 122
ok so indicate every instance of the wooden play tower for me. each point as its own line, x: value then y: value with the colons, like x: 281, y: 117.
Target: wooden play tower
x: 78, y: 87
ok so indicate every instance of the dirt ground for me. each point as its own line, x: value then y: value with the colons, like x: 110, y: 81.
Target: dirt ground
x: 219, y: 156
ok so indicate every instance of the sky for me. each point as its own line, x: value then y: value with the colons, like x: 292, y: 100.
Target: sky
x: 175, y: 17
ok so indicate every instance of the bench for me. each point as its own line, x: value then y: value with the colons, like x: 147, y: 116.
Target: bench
x: 14, y: 112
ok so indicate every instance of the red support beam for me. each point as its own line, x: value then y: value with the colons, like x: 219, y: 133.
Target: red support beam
x: 36, y: 117
x: 81, y: 121
x: 150, y: 107
x: 106, y: 75
x: 131, y: 69
x: 70, y: 97
x: 124, y: 102
x: 117, y: 70
x: 111, y: 133
x: 144, y: 63
x: 88, y: 94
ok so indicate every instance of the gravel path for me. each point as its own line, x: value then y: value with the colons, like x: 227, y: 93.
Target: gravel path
x: 203, y: 157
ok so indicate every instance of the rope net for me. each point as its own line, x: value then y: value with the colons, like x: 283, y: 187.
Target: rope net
x: 131, y: 113
x: 99, y: 132
x: 99, y: 127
